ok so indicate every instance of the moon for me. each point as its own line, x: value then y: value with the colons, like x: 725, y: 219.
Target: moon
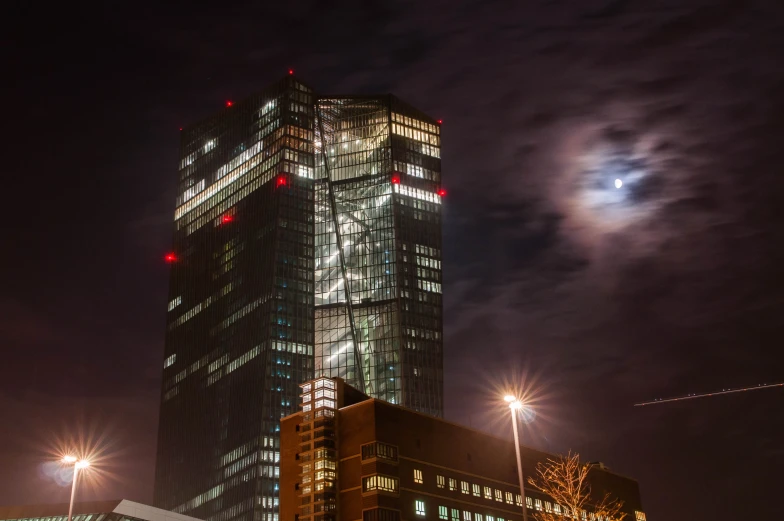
x: 618, y: 183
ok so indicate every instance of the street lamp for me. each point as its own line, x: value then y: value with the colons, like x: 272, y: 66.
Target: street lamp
x: 514, y: 406
x: 77, y: 465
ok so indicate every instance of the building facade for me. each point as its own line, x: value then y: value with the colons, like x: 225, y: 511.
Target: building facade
x: 349, y: 457
x: 307, y: 241
x: 116, y: 510
x: 378, y: 250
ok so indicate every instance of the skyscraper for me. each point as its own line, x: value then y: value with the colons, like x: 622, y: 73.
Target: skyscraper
x: 378, y: 249
x: 307, y: 241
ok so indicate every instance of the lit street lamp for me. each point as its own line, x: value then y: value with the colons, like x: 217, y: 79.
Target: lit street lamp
x: 514, y: 406
x: 77, y: 465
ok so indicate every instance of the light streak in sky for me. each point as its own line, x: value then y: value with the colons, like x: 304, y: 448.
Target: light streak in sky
x: 705, y: 395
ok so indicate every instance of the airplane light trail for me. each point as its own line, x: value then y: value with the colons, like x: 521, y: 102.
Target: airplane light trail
x: 704, y: 395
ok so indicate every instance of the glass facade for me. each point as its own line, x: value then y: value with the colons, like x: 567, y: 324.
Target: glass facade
x: 239, y: 335
x: 378, y: 250
x: 307, y: 243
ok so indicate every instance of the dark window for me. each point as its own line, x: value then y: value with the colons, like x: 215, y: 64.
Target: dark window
x: 379, y: 450
x: 381, y: 514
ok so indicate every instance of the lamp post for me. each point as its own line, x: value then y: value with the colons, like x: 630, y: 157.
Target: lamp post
x: 77, y: 465
x: 514, y: 406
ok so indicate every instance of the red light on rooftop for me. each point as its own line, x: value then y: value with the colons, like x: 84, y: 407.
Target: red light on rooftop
x: 439, y: 121
x: 441, y: 192
x: 180, y: 128
x: 229, y: 103
x: 227, y: 218
x: 281, y: 181
x: 170, y: 257
x: 395, y: 179
x: 291, y: 71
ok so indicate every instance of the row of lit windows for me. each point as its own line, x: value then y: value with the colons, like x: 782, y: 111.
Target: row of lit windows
x: 416, y: 123
x: 477, y: 491
x: 175, y: 302
x: 416, y: 193
x: 426, y: 273
x: 234, y: 364
x: 443, y: 513
x: 416, y: 135
x: 417, y: 171
x: 561, y: 510
x: 218, y: 191
x: 426, y: 285
x: 224, y: 181
x: 380, y: 482
x: 428, y: 262
x: 422, y: 333
x: 82, y: 517
x: 169, y: 360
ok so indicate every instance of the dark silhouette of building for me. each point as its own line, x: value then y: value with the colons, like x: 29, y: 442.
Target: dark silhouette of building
x: 307, y: 242
x: 346, y: 456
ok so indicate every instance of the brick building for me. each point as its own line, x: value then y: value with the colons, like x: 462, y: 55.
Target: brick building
x: 348, y: 457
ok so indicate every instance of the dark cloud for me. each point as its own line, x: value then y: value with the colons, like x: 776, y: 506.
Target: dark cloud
x: 602, y: 297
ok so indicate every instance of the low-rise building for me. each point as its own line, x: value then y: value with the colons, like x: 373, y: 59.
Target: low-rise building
x: 348, y: 457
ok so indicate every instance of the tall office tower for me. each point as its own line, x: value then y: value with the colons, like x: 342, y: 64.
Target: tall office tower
x: 239, y: 332
x: 378, y: 250
x: 307, y: 241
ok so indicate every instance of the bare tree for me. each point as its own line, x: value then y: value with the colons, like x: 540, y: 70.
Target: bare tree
x: 565, y: 480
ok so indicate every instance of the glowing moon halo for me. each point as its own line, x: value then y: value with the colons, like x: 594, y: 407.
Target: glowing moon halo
x: 618, y: 183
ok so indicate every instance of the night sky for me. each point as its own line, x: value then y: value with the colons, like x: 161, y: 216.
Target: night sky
x: 595, y: 297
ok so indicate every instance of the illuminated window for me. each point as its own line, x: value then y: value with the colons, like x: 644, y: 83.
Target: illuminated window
x: 548, y: 507
x: 174, y: 303
x: 529, y: 502
x: 509, y: 498
x: 478, y: 517
x: 418, y: 476
x: 538, y: 506
x: 169, y: 361
x: 490, y: 518
x: 452, y: 484
x: 443, y: 513
x: 557, y: 509
x: 583, y: 514
x: 518, y: 500
x: 378, y: 482
x: 440, y: 481
x: 464, y: 488
x: 455, y: 514
x: 477, y: 490
x: 499, y: 496
x: 419, y: 507
x: 639, y: 516
x: 488, y: 493
x: 466, y: 515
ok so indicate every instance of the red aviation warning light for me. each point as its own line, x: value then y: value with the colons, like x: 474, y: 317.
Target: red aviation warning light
x: 170, y: 257
x: 227, y: 218
x: 439, y: 121
x: 281, y: 181
x: 441, y: 192
x: 229, y: 103
x: 395, y: 179
x: 291, y: 71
